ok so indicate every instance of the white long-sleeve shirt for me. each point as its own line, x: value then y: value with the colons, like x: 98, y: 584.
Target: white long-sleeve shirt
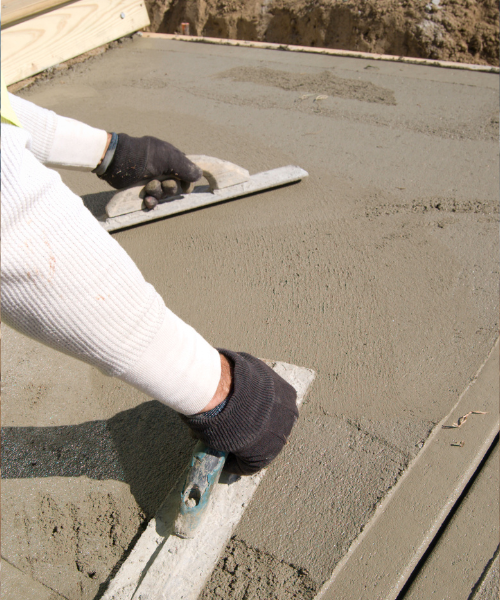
x: 67, y: 283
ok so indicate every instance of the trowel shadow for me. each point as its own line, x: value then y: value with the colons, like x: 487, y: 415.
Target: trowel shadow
x: 96, y: 203
x: 147, y: 447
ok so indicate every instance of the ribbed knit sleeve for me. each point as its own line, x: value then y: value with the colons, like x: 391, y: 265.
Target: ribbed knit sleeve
x: 69, y: 284
x: 59, y: 141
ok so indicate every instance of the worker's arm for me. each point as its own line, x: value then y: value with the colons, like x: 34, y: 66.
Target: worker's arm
x: 66, y: 282
x: 60, y: 141
x: 69, y: 284
x: 121, y: 160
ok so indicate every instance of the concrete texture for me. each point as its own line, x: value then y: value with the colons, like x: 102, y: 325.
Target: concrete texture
x: 384, y: 557
x: 16, y: 584
x: 78, y: 475
x: 488, y: 586
x: 466, y: 547
x: 379, y: 272
x: 248, y: 572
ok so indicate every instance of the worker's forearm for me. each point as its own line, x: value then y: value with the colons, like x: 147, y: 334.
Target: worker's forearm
x: 69, y: 284
x: 60, y: 141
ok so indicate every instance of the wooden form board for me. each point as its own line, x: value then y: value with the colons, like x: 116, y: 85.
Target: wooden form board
x: 17, y: 10
x: 53, y: 37
x: 325, y: 51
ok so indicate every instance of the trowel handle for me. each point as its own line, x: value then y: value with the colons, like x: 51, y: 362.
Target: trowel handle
x: 203, y: 473
x: 219, y: 173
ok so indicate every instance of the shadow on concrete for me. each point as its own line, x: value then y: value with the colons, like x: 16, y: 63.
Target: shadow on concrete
x: 96, y: 203
x: 146, y: 447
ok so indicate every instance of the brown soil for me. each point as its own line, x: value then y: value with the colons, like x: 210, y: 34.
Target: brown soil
x: 457, y: 30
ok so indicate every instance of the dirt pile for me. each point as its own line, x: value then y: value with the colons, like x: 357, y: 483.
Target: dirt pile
x: 458, y: 30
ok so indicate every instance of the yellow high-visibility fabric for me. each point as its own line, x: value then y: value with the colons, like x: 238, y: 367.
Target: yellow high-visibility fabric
x: 8, y: 114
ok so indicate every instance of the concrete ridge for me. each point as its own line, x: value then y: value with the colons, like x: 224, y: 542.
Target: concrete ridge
x: 433, y: 478
x: 487, y: 586
x: 447, y: 64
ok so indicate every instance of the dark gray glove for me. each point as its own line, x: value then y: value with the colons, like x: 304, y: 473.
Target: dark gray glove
x: 256, y: 420
x: 139, y: 159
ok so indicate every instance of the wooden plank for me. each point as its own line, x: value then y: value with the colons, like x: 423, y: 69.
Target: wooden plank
x: 18, y: 10
x: 32, y: 46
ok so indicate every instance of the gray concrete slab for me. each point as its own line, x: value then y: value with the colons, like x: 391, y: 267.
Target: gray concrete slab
x: 16, y: 585
x: 384, y: 557
x: 488, y: 586
x: 77, y: 476
x: 379, y: 272
x: 466, y: 547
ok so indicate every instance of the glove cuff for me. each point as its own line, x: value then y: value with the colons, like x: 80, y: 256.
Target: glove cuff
x: 108, y: 157
x: 247, y: 409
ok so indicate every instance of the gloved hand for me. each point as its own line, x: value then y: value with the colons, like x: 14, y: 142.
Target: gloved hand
x: 256, y: 420
x: 139, y: 159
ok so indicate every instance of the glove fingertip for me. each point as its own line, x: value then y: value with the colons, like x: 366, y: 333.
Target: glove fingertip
x: 236, y: 466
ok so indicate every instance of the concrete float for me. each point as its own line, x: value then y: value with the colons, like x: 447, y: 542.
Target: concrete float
x: 162, y: 565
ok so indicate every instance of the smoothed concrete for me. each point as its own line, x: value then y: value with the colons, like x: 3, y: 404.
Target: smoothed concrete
x: 390, y: 547
x: 466, y: 546
x: 488, y: 586
x: 379, y: 272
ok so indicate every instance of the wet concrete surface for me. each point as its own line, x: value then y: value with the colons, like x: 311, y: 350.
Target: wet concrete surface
x: 488, y: 587
x: 120, y: 449
x: 379, y: 272
x: 16, y: 584
x: 459, y: 564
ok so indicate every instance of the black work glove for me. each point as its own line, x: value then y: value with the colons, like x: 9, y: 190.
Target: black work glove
x: 140, y: 159
x: 257, y: 419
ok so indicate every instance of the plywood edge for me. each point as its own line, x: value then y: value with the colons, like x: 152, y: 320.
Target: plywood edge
x: 14, y: 11
x: 66, y: 32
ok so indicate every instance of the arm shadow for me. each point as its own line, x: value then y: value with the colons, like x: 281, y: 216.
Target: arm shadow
x: 147, y: 447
